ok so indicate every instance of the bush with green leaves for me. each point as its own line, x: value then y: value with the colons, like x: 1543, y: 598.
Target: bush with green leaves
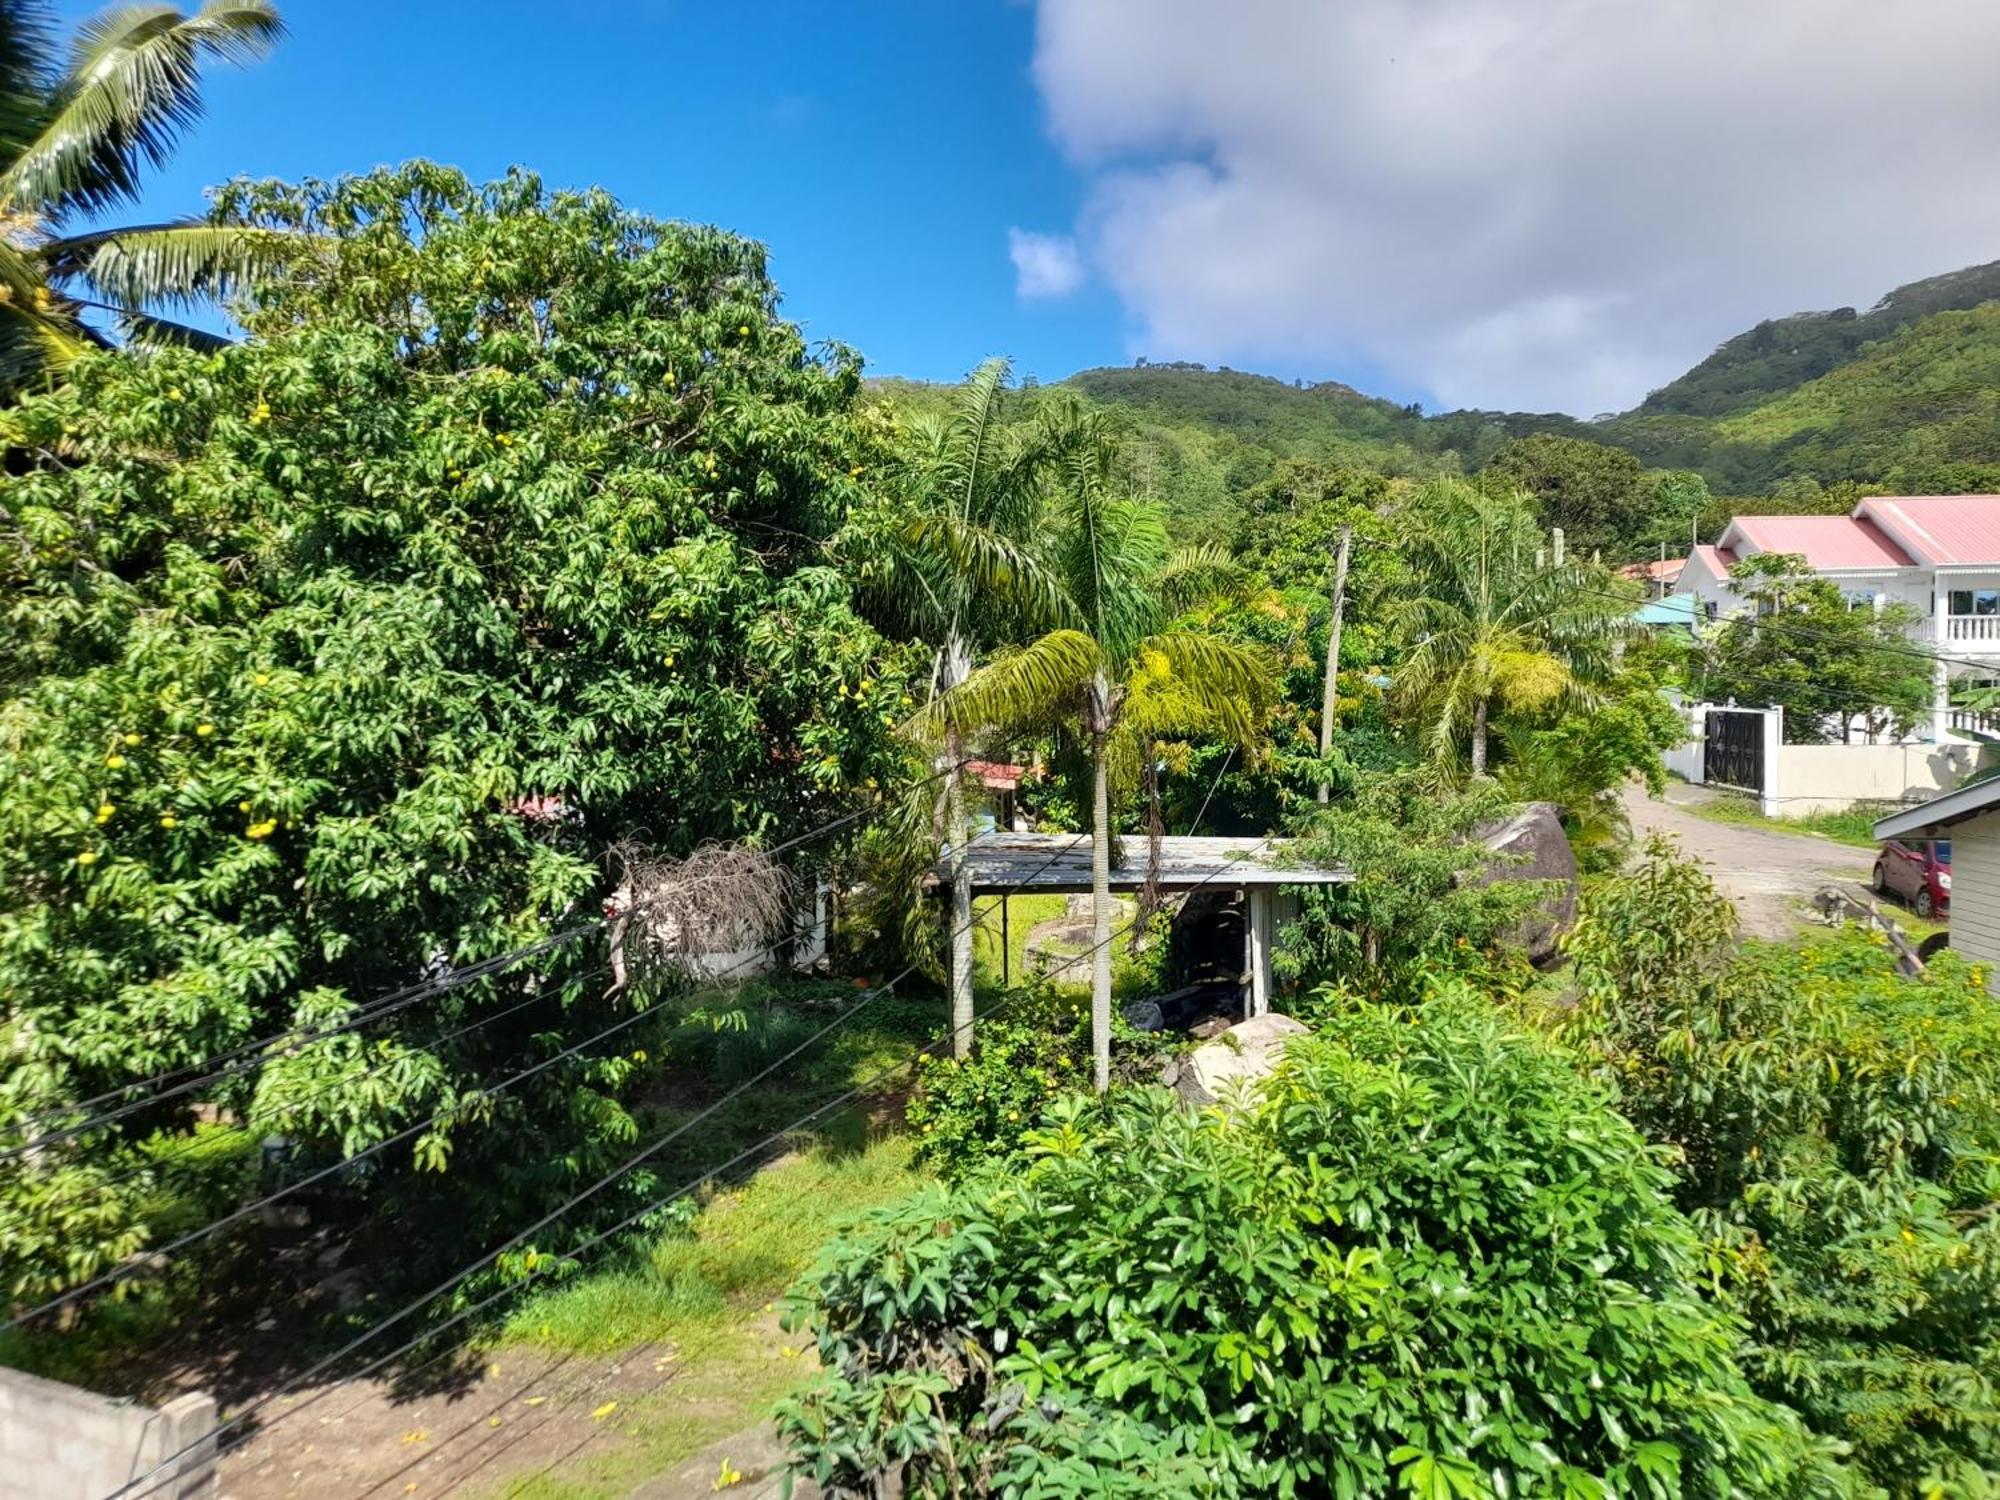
x: 349, y: 649
x: 1416, y: 905
x: 973, y: 1111
x: 1836, y: 1130
x: 1432, y: 1260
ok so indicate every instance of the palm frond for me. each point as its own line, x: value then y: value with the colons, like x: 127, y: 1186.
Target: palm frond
x: 1029, y: 684
x: 1196, y: 574
x: 992, y: 563
x: 37, y: 331
x: 1219, y: 686
x: 169, y: 264
x: 25, y: 48
x: 134, y: 84
x: 144, y: 329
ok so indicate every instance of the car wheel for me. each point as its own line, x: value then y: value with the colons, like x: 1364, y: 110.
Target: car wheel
x: 1925, y: 906
x: 1881, y: 880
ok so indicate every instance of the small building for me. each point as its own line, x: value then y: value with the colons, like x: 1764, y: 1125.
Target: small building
x: 1970, y: 818
x: 1248, y: 877
x: 1938, y: 555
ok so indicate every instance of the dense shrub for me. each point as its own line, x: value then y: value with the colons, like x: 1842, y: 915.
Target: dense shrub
x: 1433, y: 1260
x: 970, y: 1112
x: 1837, y: 1129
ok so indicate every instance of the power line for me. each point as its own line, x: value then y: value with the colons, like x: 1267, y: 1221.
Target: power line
x: 855, y: 1092
x: 246, y: 1210
x: 549, y: 1218
x: 241, y: 1056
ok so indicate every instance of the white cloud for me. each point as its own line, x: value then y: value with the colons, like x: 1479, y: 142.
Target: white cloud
x: 1557, y: 204
x: 1045, y: 265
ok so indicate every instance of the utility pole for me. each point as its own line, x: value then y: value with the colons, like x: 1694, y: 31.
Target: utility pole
x: 1333, y: 652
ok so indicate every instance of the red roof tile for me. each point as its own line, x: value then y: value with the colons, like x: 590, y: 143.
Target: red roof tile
x: 1945, y: 529
x: 1828, y: 543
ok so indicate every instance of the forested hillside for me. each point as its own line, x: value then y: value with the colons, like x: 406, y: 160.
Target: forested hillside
x: 1801, y: 411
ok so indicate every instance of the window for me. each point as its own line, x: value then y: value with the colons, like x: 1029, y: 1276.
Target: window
x: 1975, y: 601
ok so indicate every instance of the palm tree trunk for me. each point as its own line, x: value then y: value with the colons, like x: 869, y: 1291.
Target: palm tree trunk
x: 957, y: 833
x: 1479, y: 738
x: 1328, y: 693
x: 954, y: 668
x: 1100, y: 915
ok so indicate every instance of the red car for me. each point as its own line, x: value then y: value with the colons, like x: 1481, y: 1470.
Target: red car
x: 1919, y: 871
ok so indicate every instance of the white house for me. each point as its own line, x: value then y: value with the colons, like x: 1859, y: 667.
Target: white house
x: 1939, y: 554
x: 1970, y: 818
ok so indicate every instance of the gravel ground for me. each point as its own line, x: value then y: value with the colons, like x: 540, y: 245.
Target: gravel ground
x: 1770, y: 876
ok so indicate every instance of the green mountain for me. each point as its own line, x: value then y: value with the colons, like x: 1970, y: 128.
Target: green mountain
x: 1905, y: 395
x: 1799, y: 413
x: 1781, y: 354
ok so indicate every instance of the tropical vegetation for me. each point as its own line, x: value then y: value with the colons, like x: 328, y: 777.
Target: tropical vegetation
x: 370, y: 678
x: 75, y: 139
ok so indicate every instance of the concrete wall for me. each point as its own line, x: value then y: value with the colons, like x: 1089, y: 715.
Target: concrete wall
x: 1975, y: 893
x: 61, y: 1443
x: 1805, y: 779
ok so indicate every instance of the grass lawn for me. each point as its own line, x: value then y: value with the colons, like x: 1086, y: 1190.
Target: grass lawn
x: 1854, y: 826
x: 705, y: 1305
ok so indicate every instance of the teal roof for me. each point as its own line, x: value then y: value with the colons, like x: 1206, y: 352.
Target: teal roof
x: 1675, y: 609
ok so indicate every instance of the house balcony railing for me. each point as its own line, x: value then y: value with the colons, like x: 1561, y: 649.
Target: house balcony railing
x: 1960, y: 629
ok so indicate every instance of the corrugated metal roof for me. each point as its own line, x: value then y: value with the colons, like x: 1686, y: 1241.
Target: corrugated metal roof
x: 1061, y: 862
x: 1719, y: 559
x: 1828, y: 543
x: 1947, y: 530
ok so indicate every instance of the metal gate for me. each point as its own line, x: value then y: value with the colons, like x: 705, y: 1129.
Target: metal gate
x: 1735, y: 749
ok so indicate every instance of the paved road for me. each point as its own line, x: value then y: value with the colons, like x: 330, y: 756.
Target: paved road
x: 1770, y: 876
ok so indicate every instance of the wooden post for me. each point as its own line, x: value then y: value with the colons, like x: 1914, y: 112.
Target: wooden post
x: 1260, y: 950
x: 1006, y: 950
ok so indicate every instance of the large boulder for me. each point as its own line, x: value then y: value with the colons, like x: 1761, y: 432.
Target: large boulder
x: 1531, y: 845
x: 1246, y: 1052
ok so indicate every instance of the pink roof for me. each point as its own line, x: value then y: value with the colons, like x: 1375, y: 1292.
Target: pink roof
x: 1719, y: 559
x: 1828, y: 543
x: 1668, y: 568
x: 1946, y: 529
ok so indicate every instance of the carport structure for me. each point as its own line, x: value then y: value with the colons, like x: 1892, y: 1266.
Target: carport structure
x: 1263, y: 874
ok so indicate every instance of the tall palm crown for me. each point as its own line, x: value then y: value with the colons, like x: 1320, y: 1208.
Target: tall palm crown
x: 949, y: 558
x: 1487, y: 620
x: 1129, y: 667
x: 74, y: 141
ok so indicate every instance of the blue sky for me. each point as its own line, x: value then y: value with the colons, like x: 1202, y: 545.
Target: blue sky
x: 1460, y: 202
x: 881, y: 149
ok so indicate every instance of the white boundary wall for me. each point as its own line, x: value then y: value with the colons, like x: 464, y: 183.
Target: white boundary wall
x: 1800, y: 780
x: 61, y: 1443
x: 1832, y: 778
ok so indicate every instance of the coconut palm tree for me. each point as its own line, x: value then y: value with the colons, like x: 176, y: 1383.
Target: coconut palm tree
x: 74, y: 140
x: 1487, y: 620
x: 949, y: 559
x: 1126, y: 649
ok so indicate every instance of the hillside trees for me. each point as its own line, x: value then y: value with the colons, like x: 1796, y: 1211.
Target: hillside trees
x: 1599, y: 495
x: 348, y: 651
x: 1484, y: 623
x: 73, y: 143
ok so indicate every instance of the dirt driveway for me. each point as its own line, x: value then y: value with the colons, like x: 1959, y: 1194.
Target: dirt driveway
x: 1770, y: 876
